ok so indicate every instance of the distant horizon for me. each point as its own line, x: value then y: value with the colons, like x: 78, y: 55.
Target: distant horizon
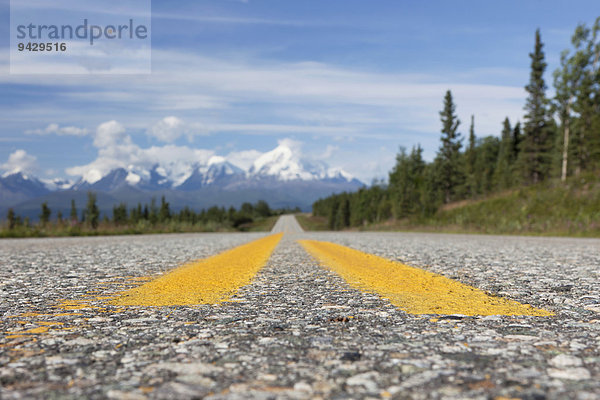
x: 346, y: 82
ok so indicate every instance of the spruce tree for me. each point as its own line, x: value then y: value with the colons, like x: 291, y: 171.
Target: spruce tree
x: 502, y: 174
x: 73, y: 214
x: 586, y: 127
x: 535, y: 154
x: 45, y: 215
x: 11, y: 218
x: 470, y: 158
x: 449, y: 173
x: 165, y: 212
x: 517, y: 138
x: 92, y: 213
x: 406, y: 183
x: 485, y: 166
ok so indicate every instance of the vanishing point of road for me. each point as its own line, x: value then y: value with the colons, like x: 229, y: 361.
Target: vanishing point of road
x: 300, y: 315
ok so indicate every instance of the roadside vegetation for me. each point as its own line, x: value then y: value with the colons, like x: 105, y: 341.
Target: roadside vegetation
x: 541, y: 176
x: 141, y: 219
x: 310, y: 222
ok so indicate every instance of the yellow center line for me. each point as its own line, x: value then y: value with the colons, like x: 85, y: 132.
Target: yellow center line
x: 207, y: 281
x: 412, y: 289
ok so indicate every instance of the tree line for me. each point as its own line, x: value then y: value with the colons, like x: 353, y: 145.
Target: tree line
x: 145, y: 216
x: 559, y: 138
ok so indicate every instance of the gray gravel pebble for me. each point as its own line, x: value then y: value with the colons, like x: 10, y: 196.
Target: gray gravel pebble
x: 299, y: 331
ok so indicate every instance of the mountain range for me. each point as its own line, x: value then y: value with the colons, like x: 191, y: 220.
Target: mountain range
x: 280, y: 177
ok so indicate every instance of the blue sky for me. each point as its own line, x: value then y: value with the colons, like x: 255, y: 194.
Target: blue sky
x: 348, y: 81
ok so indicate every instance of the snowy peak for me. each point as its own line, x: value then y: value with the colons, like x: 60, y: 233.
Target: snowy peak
x: 282, y: 164
x: 20, y: 184
x: 57, y: 184
x: 218, y: 172
x: 221, y: 169
x: 19, y: 179
x: 338, y: 175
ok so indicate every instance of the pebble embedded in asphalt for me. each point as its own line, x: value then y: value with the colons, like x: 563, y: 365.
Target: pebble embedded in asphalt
x: 298, y: 331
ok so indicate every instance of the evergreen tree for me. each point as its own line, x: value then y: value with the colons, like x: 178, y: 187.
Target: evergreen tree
x: 247, y: 208
x: 470, y: 158
x: 11, y: 218
x: 165, y: 212
x: 153, y: 217
x: 73, y: 214
x: 262, y: 209
x: 586, y: 127
x: 449, y: 172
x: 517, y: 138
x: 535, y: 153
x: 92, y: 213
x: 406, y: 183
x: 485, y: 165
x: 503, y: 172
x: 432, y: 195
x: 342, y: 219
x: 231, y: 213
x: 120, y: 214
x: 45, y: 215
x: 332, y: 214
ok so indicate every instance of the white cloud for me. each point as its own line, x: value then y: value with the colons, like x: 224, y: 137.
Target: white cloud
x: 329, y: 150
x: 167, y: 129
x: 244, y: 158
x: 110, y: 133
x: 20, y: 161
x: 58, y: 130
x: 321, y: 100
x: 359, y: 100
x: 171, y: 128
x: 117, y: 150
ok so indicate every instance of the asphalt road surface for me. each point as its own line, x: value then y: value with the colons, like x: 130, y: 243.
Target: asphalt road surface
x: 298, y: 330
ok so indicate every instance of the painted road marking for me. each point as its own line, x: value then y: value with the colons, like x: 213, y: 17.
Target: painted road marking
x: 207, y: 281
x: 412, y: 289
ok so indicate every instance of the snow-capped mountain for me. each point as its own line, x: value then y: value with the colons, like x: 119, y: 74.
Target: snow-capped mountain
x: 281, y: 175
x: 218, y: 172
x: 17, y: 186
x: 282, y: 164
x: 57, y: 184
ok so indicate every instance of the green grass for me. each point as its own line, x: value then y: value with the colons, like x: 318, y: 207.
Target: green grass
x: 143, y: 227
x: 552, y: 208
x: 309, y: 222
x: 260, y: 224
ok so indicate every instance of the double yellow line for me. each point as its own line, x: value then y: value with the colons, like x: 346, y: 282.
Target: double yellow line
x: 413, y: 290
x: 208, y: 281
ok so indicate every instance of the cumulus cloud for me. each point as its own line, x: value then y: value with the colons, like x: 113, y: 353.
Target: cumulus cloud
x: 109, y: 134
x: 168, y: 129
x: 172, y: 128
x: 117, y: 150
x: 58, y: 130
x: 20, y: 161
